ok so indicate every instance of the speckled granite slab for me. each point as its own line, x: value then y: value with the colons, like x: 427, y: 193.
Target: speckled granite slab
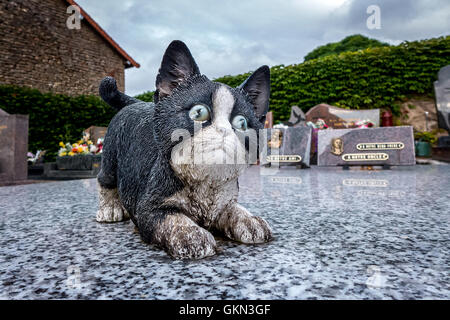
x: 392, y: 146
x: 286, y: 147
x: 338, y: 235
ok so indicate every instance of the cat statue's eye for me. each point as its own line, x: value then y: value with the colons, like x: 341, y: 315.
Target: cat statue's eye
x: 239, y: 123
x: 200, y: 113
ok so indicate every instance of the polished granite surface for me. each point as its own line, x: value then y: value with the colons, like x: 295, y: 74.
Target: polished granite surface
x: 339, y: 235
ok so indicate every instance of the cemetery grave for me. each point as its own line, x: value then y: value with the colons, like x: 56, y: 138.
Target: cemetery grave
x: 287, y: 146
x: 13, y: 147
x: 78, y: 166
x: 387, y: 146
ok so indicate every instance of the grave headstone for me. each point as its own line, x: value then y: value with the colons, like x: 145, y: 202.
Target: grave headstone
x: 269, y: 120
x: 13, y: 146
x: 286, y: 147
x: 392, y: 146
x: 95, y: 133
x: 442, y: 93
x: 338, y: 118
x: 297, y: 117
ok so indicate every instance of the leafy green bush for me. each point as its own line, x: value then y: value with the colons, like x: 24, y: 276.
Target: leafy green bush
x: 425, y: 136
x: 146, y: 96
x: 351, y: 43
x: 371, y: 78
x: 54, y: 117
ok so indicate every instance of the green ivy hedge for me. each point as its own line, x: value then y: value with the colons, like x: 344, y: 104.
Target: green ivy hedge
x: 54, y: 117
x: 146, y: 96
x: 366, y: 79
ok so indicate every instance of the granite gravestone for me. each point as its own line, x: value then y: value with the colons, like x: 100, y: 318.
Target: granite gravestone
x: 338, y: 118
x: 13, y: 147
x: 297, y: 117
x: 442, y: 93
x: 95, y: 133
x: 392, y: 146
x: 269, y: 120
x: 286, y: 147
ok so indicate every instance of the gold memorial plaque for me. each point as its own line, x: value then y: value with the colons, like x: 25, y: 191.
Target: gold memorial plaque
x: 284, y: 158
x: 365, y: 157
x: 337, y: 146
x: 380, y: 146
x: 276, y: 139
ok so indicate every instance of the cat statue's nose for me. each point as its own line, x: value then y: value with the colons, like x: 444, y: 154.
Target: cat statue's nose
x: 224, y: 131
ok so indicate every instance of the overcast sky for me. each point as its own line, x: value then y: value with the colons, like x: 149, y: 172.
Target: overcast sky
x: 232, y: 37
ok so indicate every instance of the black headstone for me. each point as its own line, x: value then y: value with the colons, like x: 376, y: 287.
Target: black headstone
x: 286, y: 147
x: 442, y: 93
x: 297, y: 117
x: 391, y: 146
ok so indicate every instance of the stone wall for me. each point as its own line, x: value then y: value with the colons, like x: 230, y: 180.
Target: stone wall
x: 413, y: 113
x: 38, y: 50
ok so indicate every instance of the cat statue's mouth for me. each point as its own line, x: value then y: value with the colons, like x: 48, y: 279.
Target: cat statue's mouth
x: 212, y: 160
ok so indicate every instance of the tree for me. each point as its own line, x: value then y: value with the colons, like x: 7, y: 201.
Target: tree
x: 351, y: 43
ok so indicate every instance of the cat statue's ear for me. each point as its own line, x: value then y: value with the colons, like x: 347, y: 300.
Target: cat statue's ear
x: 177, y: 65
x: 257, y: 86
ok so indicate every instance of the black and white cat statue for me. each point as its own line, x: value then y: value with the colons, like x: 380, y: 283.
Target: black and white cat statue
x: 174, y: 201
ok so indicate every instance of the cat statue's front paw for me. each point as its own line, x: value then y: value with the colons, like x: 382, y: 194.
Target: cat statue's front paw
x: 252, y: 230
x: 191, y: 242
x: 110, y: 208
x: 240, y: 225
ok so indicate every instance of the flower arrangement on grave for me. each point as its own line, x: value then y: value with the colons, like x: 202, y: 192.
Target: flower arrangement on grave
x: 362, y: 124
x: 319, y: 124
x: 280, y: 126
x: 35, y: 158
x: 83, y: 147
x: 316, y: 126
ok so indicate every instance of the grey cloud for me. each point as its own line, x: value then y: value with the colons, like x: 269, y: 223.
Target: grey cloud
x: 231, y: 37
x: 400, y: 20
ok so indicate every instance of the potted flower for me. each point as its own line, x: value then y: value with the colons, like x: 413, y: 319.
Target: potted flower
x: 423, y: 143
x: 364, y: 124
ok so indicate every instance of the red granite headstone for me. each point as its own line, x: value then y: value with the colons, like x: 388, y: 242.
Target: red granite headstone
x: 13, y: 147
x: 269, y: 120
x: 338, y: 118
x: 96, y: 132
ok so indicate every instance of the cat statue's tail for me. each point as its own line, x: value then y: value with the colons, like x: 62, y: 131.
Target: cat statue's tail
x: 116, y: 99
